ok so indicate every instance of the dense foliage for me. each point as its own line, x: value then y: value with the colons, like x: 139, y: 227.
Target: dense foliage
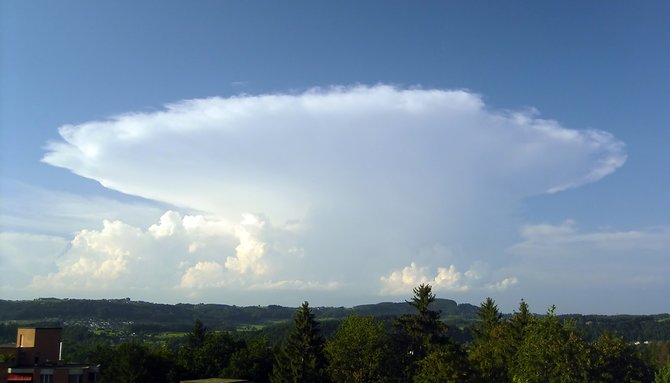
x: 140, y: 316
x: 302, y: 358
x: 413, y: 345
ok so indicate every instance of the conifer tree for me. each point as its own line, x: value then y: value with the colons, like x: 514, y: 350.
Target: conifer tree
x: 418, y: 333
x: 490, y: 353
x: 424, y: 328
x: 196, y: 338
x: 519, y: 323
x: 551, y: 352
x: 302, y: 360
x: 489, y: 320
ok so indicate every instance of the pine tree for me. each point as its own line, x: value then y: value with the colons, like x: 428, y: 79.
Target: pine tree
x: 520, y: 321
x: 490, y: 352
x: 420, y: 332
x: 489, y: 320
x: 551, y: 352
x: 424, y: 328
x: 302, y: 360
x: 197, y: 336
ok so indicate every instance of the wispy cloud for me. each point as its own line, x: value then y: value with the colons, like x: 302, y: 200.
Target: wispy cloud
x: 604, y: 266
x: 565, y: 239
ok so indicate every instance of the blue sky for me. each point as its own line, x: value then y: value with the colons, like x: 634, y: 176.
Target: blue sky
x: 255, y: 153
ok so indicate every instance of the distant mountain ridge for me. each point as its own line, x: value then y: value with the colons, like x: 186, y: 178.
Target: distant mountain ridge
x: 139, y: 316
x: 182, y: 315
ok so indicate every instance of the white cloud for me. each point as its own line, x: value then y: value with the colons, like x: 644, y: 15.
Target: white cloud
x: 96, y: 259
x: 295, y: 284
x: 282, y: 154
x: 354, y: 178
x: 544, y: 240
x: 181, y: 254
x: 606, y: 267
x: 28, y: 208
x: 447, y: 279
x: 563, y: 255
x: 249, y: 253
x: 204, y: 274
x: 123, y: 256
x: 504, y: 284
x: 22, y: 255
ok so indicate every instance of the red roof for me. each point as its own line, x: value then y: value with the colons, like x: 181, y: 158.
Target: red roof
x: 20, y: 378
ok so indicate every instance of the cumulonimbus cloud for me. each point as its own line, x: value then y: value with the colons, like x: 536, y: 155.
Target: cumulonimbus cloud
x: 367, y: 175
x: 278, y: 153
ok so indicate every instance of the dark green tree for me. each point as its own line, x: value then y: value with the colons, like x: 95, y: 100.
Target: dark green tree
x: 551, y: 352
x: 359, y: 351
x: 302, y: 359
x: 133, y: 363
x: 423, y: 328
x: 489, y: 319
x: 615, y: 361
x: 446, y: 363
x: 214, y: 355
x: 188, y: 355
x: 663, y: 374
x: 416, y: 334
x: 196, y: 338
x: 253, y: 362
x: 206, y: 353
x: 519, y: 323
x: 490, y: 353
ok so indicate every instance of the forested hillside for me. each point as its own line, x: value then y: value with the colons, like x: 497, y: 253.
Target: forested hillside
x: 114, y: 313
x: 138, y: 316
x: 386, y: 342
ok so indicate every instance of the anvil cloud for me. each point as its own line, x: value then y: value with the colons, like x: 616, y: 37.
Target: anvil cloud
x: 343, y: 187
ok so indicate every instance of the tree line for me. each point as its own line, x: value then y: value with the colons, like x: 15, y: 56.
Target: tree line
x: 414, y: 347
x: 120, y: 318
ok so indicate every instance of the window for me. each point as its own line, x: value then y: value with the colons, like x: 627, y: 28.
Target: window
x: 74, y: 379
x: 46, y: 378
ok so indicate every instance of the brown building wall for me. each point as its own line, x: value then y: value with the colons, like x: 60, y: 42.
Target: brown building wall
x: 37, y: 352
x: 38, y: 345
x: 61, y: 376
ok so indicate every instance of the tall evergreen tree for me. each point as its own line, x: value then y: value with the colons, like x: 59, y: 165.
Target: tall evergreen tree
x: 302, y: 360
x: 551, y: 352
x: 418, y: 333
x: 519, y: 323
x: 490, y: 353
x: 489, y: 320
x: 197, y: 336
x: 424, y: 328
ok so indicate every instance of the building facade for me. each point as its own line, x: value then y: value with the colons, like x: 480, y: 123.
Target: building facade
x: 37, y: 357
